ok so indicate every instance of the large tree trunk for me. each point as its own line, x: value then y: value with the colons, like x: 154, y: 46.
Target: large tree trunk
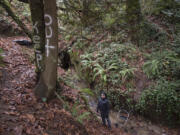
x: 47, y: 83
x: 37, y: 15
x: 7, y: 7
x: 134, y: 19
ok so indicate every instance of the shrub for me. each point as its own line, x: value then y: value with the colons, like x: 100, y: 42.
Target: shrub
x: 161, y: 64
x: 106, y: 65
x: 121, y: 100
x: 161, y: 102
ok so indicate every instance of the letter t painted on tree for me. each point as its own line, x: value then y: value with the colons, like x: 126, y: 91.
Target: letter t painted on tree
x: 48, y: 47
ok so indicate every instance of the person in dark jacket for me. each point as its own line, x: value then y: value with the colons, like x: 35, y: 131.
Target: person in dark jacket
x: 103, y: 107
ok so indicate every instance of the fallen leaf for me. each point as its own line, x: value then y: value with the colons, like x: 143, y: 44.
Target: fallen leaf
x: 31, y: 117
x: 18, y: 130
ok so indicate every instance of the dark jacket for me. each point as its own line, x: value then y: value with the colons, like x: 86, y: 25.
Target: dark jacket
x: 103, y: 106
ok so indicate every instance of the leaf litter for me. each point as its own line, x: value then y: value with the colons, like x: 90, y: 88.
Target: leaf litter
x: 22, y: 114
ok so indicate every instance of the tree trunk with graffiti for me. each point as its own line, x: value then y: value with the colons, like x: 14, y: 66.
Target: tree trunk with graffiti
x: 37, y: 15
x: 46, y: 59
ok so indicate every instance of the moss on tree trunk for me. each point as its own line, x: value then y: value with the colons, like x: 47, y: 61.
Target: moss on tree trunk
x: 9, y: 10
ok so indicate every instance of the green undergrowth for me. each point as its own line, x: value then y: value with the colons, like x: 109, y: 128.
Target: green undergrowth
x: 162, y: 64
x: 110, y: 64
x: 1, y: 58
x: 161, y: 102
x: 104, y: 58
x: 112, y: 67
x: 75, y: 109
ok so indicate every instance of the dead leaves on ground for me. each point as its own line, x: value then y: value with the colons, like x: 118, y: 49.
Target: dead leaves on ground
x: 21, y: 113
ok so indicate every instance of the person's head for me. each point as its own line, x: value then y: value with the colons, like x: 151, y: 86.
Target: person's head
x: 103, y: 95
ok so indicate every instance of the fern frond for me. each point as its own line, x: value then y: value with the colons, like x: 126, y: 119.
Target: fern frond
x: 87, y: 91
x: 83, y: 116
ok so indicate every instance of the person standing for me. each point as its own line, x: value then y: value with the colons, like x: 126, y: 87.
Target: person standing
x: 103, y: 107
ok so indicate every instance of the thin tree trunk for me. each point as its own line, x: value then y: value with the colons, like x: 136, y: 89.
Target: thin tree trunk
x: 7, y: 7
x: 85, y: 12
x: 37, y: 15
x: 134, y: 19
x: 47, y: 83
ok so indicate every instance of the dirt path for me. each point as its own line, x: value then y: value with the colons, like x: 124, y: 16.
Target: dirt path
x: 21, y: 113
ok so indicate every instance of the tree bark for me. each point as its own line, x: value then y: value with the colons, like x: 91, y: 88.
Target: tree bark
x: 134, y: 19
x: 47, y: 83
x: 85, y: 12
x: 37, y: 16
x: 7, y: 7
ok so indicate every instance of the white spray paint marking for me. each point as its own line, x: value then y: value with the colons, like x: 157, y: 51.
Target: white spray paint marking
x: 48, y: 47
x: 50, y: 32
x: 35, y: 27
x: 38, y: 58
x: 48, y: 36
x: 50, y: 19
x: 36, y: 41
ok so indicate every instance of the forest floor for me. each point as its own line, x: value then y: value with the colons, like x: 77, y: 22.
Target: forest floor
x: 135, y: 125
x: 20, y: 111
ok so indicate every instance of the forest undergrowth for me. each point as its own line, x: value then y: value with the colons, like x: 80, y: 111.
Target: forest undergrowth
x: 129, y: 49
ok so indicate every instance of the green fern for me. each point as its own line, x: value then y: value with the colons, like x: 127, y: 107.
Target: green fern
x: 161, y: 64
x: 99, y: 71
x: 126, y: 73
x: 75, y: 113
x: 87, y: 91
x: 74, y: 110
x: 113, y: 66
x: 83, y: 116
x: 151, y: 68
